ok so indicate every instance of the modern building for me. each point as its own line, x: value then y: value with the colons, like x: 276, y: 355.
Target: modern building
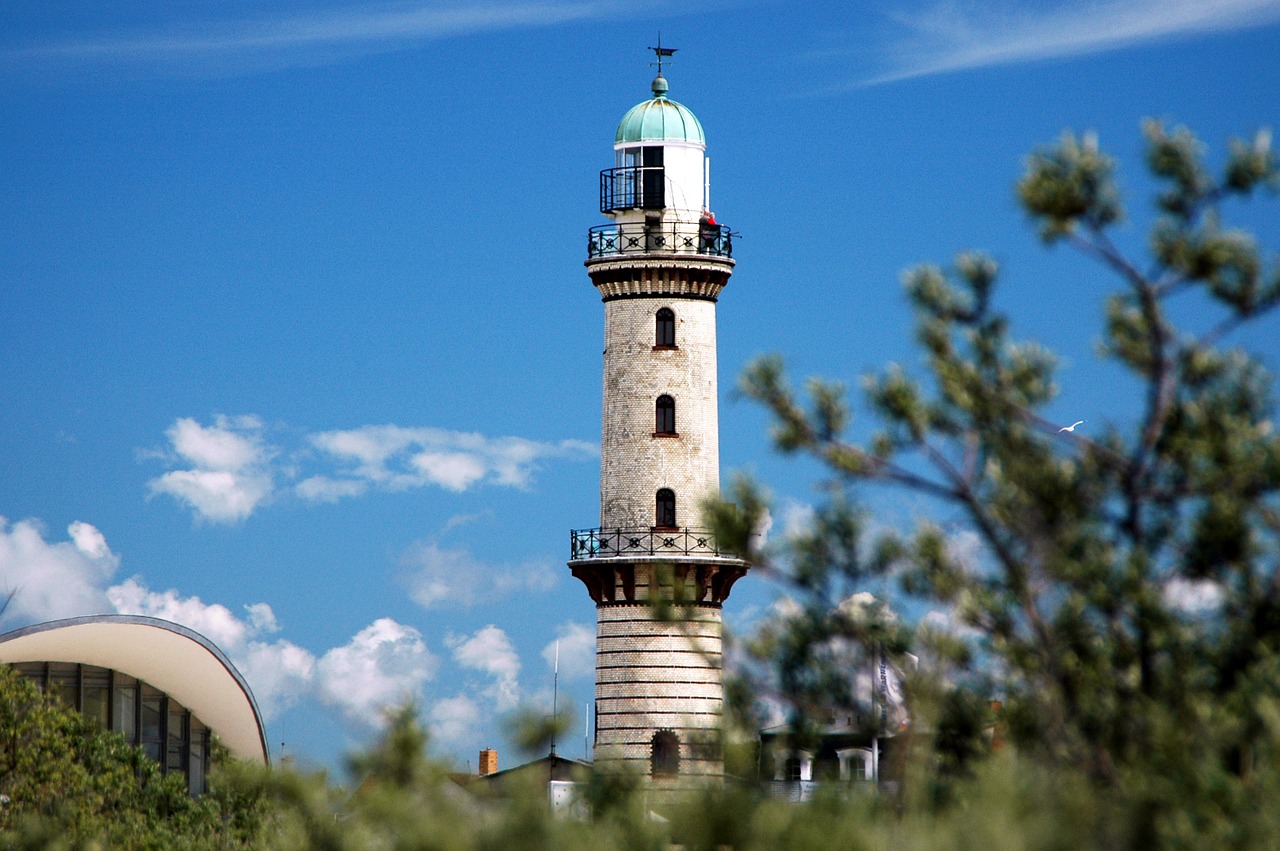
x: 163, y: 686
x: 653, y: 570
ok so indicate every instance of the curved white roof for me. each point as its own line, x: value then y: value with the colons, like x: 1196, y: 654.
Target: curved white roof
x: 177, y: 660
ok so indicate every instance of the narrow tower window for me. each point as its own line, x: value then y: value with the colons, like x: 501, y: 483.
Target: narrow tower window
x: 665, y: 416
x: 665, y: 338
x: 666, y: 508
x: 666, y: 753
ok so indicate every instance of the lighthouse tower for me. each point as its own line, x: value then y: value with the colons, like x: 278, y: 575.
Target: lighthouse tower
x: 654, y: 571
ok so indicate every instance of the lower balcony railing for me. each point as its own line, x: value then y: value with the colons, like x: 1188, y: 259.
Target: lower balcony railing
x: 623, y: 543
x: 671, y: 238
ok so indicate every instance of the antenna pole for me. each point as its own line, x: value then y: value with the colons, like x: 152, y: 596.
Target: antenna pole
x: 555, y: 697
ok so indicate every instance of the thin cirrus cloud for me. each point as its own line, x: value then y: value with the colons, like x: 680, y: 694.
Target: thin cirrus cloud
x: 226, y: 470
x: 436, y: 575
x: 317, y: 34
x: 945, y: 36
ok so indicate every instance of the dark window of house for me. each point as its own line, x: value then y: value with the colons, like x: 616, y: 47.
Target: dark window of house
x: 95, y: 695
x: 153, y: 718
x: 665, y: 416
x: 666, y: 331
x: 64, y: 681
x: 178, y: 739
x: 794, y: 769
x: 124, y: 708
x: 666, y: 753
x: 667, y: 508
x: 195, y: 777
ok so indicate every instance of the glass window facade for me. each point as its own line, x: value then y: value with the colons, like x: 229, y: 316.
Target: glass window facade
x: 142, y: 714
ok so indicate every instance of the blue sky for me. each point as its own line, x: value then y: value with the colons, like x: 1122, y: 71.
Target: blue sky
x: 297, y: 344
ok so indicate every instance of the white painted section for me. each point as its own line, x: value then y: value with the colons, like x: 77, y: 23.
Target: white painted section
x: 685, y: 175
x: 856, y: 764
x: 177, y: 665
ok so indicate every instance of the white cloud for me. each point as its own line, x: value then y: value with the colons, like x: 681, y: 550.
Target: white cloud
x: 1193, y: 596
x: 325, y: 489
x: 383, y: 665
x: 454, y: 719
x: 490, y: 651
x: 92, y: 543
x: 53, y: 580
x: 227, y: 470
x: 278, y: 672
x: 944, y: 36
x: 436, y: 575
x: 395, y: 458
x: 319, y: 34
x: 229, y: 475
x: 577, y: 648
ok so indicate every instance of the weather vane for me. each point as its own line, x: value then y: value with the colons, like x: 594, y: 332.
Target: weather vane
x: 662, y: 52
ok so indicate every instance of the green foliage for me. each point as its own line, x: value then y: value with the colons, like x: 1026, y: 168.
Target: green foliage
x: 1124, y: 594
x: 1119, y: 592
x: 71, y: 785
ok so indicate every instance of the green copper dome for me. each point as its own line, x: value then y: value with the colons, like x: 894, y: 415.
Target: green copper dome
x: 659, y: 119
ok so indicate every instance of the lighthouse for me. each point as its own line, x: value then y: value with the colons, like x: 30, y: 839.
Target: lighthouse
x: 652, y: 568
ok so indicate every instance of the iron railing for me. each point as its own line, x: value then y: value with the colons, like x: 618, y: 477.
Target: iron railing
x: 636, y: 187
x: 623, y: 543
x: 671, y: 238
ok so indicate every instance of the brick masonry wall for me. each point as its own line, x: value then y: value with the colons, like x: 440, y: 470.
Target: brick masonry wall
x: 634, y: 463
x: 656, y: 675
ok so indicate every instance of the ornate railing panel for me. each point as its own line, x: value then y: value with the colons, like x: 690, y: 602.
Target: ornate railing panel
x: 623, y: 543
x: 673, y: 238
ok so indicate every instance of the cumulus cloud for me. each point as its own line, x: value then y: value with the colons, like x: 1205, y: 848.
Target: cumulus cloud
x: 576, y: 645
x: 435, y: 575
x: 226, y: 473
x: 491, y: 652
x: 278, y: 672
x: 941, y: 36
x: 384, y: 665
x: 49, y: 580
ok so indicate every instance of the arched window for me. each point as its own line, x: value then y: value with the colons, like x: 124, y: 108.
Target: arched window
x: 664, y: 415
x: 665, y: 758
x: 665, y: 335
x: 666, y: 508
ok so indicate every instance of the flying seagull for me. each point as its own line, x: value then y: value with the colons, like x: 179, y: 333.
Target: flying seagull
x: 1071, y: 427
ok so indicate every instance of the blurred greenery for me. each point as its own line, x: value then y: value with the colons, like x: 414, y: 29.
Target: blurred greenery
x: 1106, y: 670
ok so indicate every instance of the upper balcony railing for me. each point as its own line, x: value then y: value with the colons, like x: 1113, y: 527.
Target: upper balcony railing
x: 634, y: 187
x: 629, y: 543
x: 669, y: 238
